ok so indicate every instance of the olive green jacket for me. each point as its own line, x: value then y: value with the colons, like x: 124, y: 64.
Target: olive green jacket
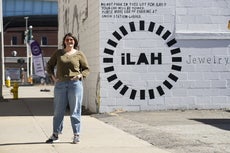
x: 67, y: 66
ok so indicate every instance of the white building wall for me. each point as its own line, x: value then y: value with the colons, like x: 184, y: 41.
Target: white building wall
x: 206, y: 16
x: 187, y: 40
x: 202, y: 30
x: 82, y: 19
x: 152, y: 20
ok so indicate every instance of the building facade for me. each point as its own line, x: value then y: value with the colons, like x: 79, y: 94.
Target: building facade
x: 152, y: 54
x: 18, y: 15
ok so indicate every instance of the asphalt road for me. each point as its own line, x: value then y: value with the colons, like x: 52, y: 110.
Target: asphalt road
x: 190, y: 131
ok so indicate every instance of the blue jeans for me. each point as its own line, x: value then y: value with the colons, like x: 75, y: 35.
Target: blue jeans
x: 67, y: 92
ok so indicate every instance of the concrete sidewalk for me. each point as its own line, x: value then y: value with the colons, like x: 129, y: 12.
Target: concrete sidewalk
x: 37, y: 91
x: 26, y: 123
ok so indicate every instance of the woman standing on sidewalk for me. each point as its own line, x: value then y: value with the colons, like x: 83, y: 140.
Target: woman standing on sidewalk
x: 72, y: 66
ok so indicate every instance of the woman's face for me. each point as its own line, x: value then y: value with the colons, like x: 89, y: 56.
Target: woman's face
x: 69, y: 41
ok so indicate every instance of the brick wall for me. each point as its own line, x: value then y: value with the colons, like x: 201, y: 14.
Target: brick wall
x: 200, y: 29
x: 209, y: 16
x: 152, y: 55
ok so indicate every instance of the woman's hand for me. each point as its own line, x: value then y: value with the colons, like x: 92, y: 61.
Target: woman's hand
x: 54, y: 79
x: 77, y: 77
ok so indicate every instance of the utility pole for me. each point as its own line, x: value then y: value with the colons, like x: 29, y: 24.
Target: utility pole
x: 30, y: 37
x: 2, y: 63
x: 29, y: 61
x: 27, y: 47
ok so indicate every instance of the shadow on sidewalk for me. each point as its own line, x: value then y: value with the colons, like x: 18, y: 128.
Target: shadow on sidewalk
x: 31, y: 107
x: 32, y: 143
x: 220, y: 123
x: 27, y: 107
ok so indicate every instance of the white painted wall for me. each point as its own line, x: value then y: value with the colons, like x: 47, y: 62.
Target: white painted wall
x: 203, y: 35
x: 82, y: 19
x: 190, y: 38
x: 206, y: 16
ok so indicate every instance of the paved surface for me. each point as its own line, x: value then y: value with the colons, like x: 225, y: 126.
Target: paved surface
x: 190, y: 131
x: 26, y: 123
x: 39, y: 91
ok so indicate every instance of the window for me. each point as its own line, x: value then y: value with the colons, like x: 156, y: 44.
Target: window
x: 14, y: 40
x: 44, y: 41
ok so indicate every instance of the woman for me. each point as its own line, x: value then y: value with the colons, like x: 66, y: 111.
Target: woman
x: 71, y: 67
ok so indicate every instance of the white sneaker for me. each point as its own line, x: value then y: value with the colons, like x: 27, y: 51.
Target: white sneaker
x: 76, y: 139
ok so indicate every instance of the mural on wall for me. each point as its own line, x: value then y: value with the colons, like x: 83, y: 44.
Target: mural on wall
x: 141, y: 60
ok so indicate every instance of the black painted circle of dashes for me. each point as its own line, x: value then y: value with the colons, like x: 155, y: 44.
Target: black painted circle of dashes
x: 170, y: 43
